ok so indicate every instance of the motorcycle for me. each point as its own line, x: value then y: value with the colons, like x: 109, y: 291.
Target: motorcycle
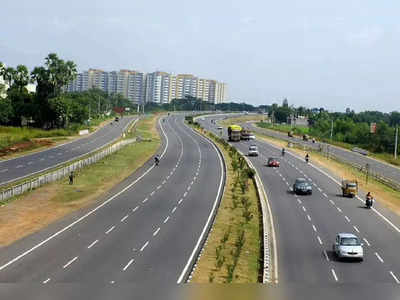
x: 307, y: 159
x: 156, y: 161
x: 368, y: 202
x: 283, y: 152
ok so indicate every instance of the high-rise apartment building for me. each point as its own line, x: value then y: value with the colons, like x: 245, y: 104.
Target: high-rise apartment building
x: 130, y: 84
x: 157, y: 87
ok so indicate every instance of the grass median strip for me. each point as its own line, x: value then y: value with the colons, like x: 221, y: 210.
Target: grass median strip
x: 233, y: 250
x: 34, y: 210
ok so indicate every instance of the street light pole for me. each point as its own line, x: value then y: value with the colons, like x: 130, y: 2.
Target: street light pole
x: 331, y: 129
x: 395, y: 142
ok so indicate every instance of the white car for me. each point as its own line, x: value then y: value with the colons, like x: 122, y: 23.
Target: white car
x: 253, y: 150
x: 219, y: 127
x: 348, y: 245
x: 252, y: 137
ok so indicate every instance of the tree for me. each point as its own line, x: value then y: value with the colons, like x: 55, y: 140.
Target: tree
x: 50, y: 80
x: 6, y: 111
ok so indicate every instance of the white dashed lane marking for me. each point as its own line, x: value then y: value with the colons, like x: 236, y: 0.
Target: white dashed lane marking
x: 110, y: 229
x: 124, y: 218
x: 326, y: 255
x: 356, y: 229
x: 379, y: 257
x: 347, y: 218
x: 4, y: 170
x: 319, y: 240
x: 166, y: 219
x: 156, y: 232
x: 127, y: 265
x: 314, y: 228
x: 180, y: 201
x: 334, y: 274
x: 144, y: 246
x: 46, y: 281
x: 70, y: 262
x: 308, y: 217
x: 135, y: 209
x: 304, y: 209
x: 394, y: 277
x: 152, y: 193
x: 338, y: 208
x: 145, y: 200
x: 366, y: 241
x: 173, y: 210
x: 19, y: 166
x: 92, y: 244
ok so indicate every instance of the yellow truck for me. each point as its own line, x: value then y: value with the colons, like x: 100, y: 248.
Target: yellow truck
x: 349, y: 188
x: 234, y: 133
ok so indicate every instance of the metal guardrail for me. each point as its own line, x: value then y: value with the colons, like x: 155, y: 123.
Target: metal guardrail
x: 361, y: 168
x: 62, y: 172
x: 57, y: 172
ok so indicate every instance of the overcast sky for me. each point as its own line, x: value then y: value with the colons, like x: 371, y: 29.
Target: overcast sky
x: 334, y: 54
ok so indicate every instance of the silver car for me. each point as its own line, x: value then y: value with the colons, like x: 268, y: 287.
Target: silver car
x: 253, y: 150
x: 348, y: 245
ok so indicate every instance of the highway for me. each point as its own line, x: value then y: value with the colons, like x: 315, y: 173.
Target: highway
x: 388, y: 171
x: 17, y: 168
x: 306, y: 225
x: 146, y: 231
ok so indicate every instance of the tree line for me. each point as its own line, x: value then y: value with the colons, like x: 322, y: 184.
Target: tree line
x: 50, y: 106
x: 348, y: 127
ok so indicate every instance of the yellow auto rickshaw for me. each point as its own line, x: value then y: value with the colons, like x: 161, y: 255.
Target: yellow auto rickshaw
x: 349, y: 188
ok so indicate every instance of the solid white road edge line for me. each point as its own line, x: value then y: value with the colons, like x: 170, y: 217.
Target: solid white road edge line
x: 394, y: 277
x: 87, y: 214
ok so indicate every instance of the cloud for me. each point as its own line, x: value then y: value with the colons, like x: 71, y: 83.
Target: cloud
x: 366, y: 37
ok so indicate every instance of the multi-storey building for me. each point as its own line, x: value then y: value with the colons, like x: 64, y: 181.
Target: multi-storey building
x: 157, y: 87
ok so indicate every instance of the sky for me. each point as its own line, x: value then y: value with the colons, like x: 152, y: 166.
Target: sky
x: 331, y: 54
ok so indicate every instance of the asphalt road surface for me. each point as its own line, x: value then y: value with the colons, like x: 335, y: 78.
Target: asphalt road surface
x: 17, y: 168
x: 384, y: 169
x: 145, y: 232
x: 306, y: 225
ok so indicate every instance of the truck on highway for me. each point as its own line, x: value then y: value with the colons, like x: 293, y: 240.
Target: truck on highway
x: 245, y: 134
x: 234, y: 133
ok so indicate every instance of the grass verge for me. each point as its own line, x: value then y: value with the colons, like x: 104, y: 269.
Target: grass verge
x: 233, y: 250
x: 384, y: 194
x: 32, y: 211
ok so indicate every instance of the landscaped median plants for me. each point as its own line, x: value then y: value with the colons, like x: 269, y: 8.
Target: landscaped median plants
x: 232, y: 253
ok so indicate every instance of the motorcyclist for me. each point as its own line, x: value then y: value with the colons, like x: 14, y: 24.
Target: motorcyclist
x: 157, y: 160
x: 307, y: 157
x: 283, y: 151
x: 369, y: 199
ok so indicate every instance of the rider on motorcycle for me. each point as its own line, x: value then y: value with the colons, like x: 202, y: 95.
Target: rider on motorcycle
x: 369, y: 199
x: 283, y: 151
x: 307, y: 157
x: 156, y: 159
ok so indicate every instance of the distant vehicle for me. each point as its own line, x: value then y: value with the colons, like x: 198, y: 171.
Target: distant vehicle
x: 290, y: 133
x: 301, y: 186
x: 234, y: 133
x: 252, y: 137
x: 245, y: 134
x: 273, y: 162
x: 348, y: 245
x: 219, y: 127
x: 361, y: 151
x: 306, y: 137
x: 349, y: 188
x: 253, y: 150
x: 116, y: 119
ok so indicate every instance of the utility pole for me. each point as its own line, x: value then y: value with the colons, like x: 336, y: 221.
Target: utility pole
x: 395, y: 142
x: 331, y: 129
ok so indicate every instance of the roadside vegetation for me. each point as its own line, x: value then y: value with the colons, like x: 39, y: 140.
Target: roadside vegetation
x: 25, y: 214
x: 297, y: 130
x: 233, y: 250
